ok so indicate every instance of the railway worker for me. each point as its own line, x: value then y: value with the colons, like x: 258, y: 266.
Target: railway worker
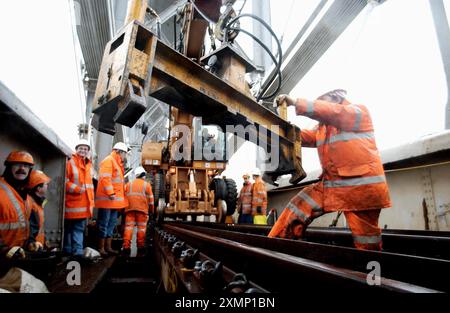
x: 15, y: 204
x: 352, y: 180
x: 79, y: 198
x: 110, y: 196
x: 140, y: 202
x: 37, y: 189
x: 259, y: 198
x: 244, y: 203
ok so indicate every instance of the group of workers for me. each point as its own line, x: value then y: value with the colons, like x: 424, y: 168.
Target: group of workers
x: 252, y: 201
x: 352, y: 182
x: 23, y: 196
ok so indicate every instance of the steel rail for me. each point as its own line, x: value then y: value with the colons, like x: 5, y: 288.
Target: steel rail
x: 281, y: 271
x: 427, y: 272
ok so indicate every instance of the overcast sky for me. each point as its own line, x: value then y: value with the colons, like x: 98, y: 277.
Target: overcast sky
x: 388, y: 59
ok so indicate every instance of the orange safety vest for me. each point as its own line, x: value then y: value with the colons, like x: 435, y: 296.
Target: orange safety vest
x: 259, y: 196
x: 111, y: 182
x: 79, y: 204
x: 14, y: 216
x: 353, y: 175
x: 245, y: 199
x: 40, y: 212
x: 140, y: 196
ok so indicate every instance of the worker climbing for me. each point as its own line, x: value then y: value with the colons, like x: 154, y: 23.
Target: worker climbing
x: 352, y: 180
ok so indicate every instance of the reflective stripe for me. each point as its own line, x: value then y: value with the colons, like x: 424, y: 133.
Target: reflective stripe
x: 260, y: 192
x: 13, y: 200
x: 142, y: 224
x: 11, y: 226
x: 357, y: 118
x: 259, y: 200
x: 72, y: 188
x: 129, y: 228
x: 105, y: 175
x: 346, y: 136
x: 246, y: 205
x: 107, y: 198
x: 129, y: 223
x: 75, y: 172
x: 117, y: 180
x: 246, y: 193
x: 309, y: 108
x: 75, y: 210
x: 367, y: 239
x: 135, y: 194
x: 310, y: 201
x: 354, y: 181
x: 89, y: 186
x: 141, y: 230
x: 131, y: 187
x: 108, y: 188
x: 297, y: 212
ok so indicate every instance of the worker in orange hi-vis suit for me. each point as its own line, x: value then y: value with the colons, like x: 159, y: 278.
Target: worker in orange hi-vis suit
x: 259, y: 198
x: 37, y: 189
x: 79, y: 198
x: 352, y: 180
x: 140, y: 201
x: 110, y: 196
x: 15, y: 204
x: 244, y: 202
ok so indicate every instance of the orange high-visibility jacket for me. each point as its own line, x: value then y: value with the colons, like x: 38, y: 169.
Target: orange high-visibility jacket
x: 245, y: 199
x: 39, y: 210
x: 78, y: 175
x: 111, y: 182
x: 353, y: 175
x: 259, y: 196
x: 14, y: 216
x: 140, y: 196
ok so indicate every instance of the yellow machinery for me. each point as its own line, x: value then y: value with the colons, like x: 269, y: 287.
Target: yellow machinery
x: 136, y: 64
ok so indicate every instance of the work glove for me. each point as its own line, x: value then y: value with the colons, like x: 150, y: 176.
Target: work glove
x: 15, y: 253
x: 35, y: 246
x: 282, y: 98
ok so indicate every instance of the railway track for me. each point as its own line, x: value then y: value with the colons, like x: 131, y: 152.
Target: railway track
x: 275, y: 265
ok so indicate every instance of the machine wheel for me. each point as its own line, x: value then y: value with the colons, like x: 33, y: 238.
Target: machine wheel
x: 231, y: 196
x: 222, y: 214
x: 160, y: 211
x: 220, y: 189
x: 158, y: 186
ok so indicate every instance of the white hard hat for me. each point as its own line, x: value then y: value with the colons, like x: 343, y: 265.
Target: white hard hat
x: 256, y: 172
x: 83, y: 142
x: 121, y: 146
x: 139, y: 170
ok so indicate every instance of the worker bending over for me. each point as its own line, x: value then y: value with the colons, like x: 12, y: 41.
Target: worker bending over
x: 79, y: 198
x: 15, y: 204
x: 37, y: 188
x: 110, y: 196
x: 353, y: 178
x: 140, y: 201
x: 244, y: 203
x: 259, y: 198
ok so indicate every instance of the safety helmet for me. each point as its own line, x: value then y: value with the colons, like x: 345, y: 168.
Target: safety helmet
x: 36, y: 178
x: 20, y: 157
x: 256, y: 172
x: 338, y: 95
x: 83, y: 142
x: 121, y: 147
x: 139, y: 170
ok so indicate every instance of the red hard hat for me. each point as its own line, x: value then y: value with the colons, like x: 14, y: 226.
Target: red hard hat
x: 36, y: 178
x: 20, y: 157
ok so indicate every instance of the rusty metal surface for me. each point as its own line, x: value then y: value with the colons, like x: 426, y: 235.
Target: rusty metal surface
x: 394, y: 266
x: 278, y: 270
x: 432, y: 244
x: 91, y: 276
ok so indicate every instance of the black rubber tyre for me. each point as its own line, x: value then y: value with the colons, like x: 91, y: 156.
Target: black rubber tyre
x: 220, y: 189
x: 231, y: 196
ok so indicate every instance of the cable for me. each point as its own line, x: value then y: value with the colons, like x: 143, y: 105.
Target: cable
x: 243, y: 5
x: 202, y: 14
x: 277, y: 64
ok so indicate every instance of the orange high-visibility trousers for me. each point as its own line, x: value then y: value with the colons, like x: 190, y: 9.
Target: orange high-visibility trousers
x: 308, y: 205
x: 132, y: 219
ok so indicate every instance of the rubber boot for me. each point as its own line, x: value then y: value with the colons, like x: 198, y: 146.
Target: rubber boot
x: 108, y: 247
x: 125, y: 252
x: 101, y: 247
